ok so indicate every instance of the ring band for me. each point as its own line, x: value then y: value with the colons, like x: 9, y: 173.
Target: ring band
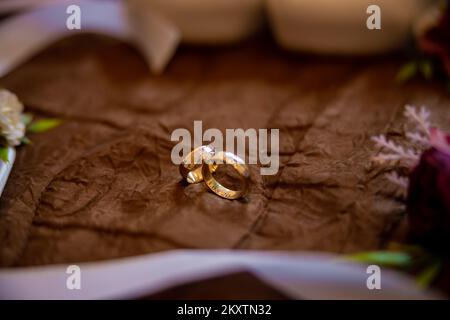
x: 238, y: 164
x: 191, y: 166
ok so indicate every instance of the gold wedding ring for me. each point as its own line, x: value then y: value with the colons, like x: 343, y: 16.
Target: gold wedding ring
x: 210, y: 166
x: 191, y: 166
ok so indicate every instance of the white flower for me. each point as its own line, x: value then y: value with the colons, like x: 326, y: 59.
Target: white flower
x: 11, y: 127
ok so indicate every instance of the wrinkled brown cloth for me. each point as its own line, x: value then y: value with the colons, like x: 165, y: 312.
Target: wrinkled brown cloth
x: 102, y: 185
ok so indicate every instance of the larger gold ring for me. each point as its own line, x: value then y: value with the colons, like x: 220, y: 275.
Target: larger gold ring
x: 191, y: 166
x: 238, y: 164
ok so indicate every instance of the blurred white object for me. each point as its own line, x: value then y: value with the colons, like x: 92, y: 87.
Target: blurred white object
x: 209, y: 22
x: 24, y: 35
x: 156, y: 36
x: 5, y: 168
x: 7, y: 6
x: 339, y: 27
x: 298, y: 275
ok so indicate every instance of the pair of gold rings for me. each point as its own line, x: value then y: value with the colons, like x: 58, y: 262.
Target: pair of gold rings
x: 201, y: 163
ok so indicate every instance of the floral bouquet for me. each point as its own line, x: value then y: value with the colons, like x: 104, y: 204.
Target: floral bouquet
x: 14, y: 124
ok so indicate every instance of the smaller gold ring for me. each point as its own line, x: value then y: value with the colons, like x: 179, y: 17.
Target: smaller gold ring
x: 238, y: 164
x: 191, y: 166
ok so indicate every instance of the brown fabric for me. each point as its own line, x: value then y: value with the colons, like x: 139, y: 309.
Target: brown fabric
x: 102, y: 184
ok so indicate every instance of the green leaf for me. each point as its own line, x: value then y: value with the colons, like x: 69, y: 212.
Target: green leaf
x: 26, y: 118
x: 387, y: 258
x: 426, y: 277
x: 411, y: 249
x: 407, y: 72
x: 4, y: 154
x: 43, y: 125
x: 426, y: 68
x: 25, y: 140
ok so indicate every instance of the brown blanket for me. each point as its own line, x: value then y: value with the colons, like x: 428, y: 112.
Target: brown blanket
x: 102, y: 185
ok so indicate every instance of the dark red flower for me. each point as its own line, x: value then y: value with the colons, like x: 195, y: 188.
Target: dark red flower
x: 436, y: 40
x: 428, y: 203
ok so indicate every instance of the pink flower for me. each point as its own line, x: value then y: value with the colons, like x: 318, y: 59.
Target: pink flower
x: 428, y: 202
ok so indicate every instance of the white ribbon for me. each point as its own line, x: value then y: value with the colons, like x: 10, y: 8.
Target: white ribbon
x: 24, y: 35
x: 299, y: 275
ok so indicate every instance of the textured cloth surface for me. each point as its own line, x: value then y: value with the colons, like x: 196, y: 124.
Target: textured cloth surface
x: 102, y: 184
